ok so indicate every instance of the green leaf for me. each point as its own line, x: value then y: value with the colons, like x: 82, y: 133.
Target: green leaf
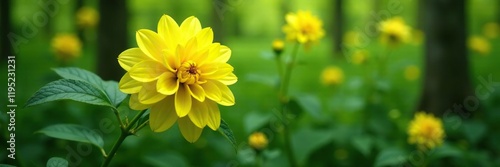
x: 67, y: 89
x: 57, y: 162
x: 310, y: 104
x: 446, y: 150
x: 74, y: 133
x: 363, y: 144
x: 167, y: 159
x: 256, y: 120
x: 390, y: 157
x: 305, y: 141
x: 227, y: 133
x: 474, y: 131
x: 115, y: 96
x: 6, y: 165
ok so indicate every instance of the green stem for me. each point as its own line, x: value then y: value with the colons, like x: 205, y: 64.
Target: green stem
x: 280, y: 68
x: 117, y: 114
x: 283, y: 95
x: 125, y: 132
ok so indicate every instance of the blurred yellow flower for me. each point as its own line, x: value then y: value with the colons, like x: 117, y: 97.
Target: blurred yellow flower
x: 394, y: 31
x: 66, y: 46
x: 258, y: 141
x: 303, y: 27
x: 412, y: 73
x: 278, y: 46
x: 491, y: 30
x: 332, y: 75
x: 426, y: 131
x: 359, y: 57
x: 87, y: 17
x: 351, y: 38
x: 180, y: 74
x: 480, y: 45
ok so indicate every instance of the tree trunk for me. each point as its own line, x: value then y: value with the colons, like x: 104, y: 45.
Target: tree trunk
x: 112, y: 38
x: 5, y: 45
x: 338, y: 25
x: 446, y: 82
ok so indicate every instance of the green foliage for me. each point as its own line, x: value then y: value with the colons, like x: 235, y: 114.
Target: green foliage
x: 72, y: 132
x: 227, y: 133
x: 57, y: 162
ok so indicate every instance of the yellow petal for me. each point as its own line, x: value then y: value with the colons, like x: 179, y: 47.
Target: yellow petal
x: 196, y: 91
x: 167, y: 83
x: 128, y: 58
x: 147, y: 71
x: 149, y: 95
x: 229, y: 79
x: 128, y: 85
x: 213, y: 119
x: 199, y: 114
x: 190, y: 131
x: 190, y: 27
x: 173, y: 60
x: 135, y: 104
x: 212, y: 91
x: 163, y: 115
x: 168, y: 29
x: 205, y: 37
x: 224, y: 54
x: 182, y: 101
x: 151, y: 44
x: 222, y: 71
x: 227, y: 95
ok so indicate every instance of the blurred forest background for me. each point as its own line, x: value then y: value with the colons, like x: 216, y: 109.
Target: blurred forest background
x: 359, y: 121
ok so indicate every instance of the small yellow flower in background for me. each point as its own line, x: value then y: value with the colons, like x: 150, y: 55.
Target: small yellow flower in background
x: 66, y: 46
x: 258, y: 141
x: 278, y: 46
x: 303, y: 27
x: 412, y: 73
x: 332, y: 75
x: 87, y: 17
x: 480, y: 45
x: 491, y: 30
x: 351, y: 38
x: 426, y: 131
x: 394, y: 31
x: 359, y: 57
x: 180, y: 74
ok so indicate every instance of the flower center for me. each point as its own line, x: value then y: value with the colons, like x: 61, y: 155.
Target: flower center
x: 188, y: 73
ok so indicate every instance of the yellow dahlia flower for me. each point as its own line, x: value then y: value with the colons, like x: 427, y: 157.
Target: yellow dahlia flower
x: 180, y: 74
x: 480, y: 45
x: 87, y: 17
x: 303, y: 27
x: 258, y: 141
x: 426, y: 131
x: 394, y: 31
x: 66, y: 46
x: 412, y: 73
x: 332, y: 75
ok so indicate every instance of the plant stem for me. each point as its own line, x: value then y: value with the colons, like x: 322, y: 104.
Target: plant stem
x: 125, y: 132
x: 283, y: 98
x: 117, y: 114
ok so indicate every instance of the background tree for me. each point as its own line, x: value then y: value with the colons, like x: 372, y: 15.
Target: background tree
x: 5, y: 46
x: 338, y: 24
x: 446, y: 80
x: 112, y: 37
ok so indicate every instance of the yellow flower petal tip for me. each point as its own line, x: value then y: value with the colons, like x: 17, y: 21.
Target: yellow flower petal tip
x: 180, y: 74
x: 426, y: 131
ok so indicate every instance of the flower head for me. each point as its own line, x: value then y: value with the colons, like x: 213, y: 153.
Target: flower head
x: 394, y: 31
x: 359, y: 57
x: 412, y: 73
x: 332, y: 75
x: 66, y: 46
x: 426, y: 131
x: 491, y: 30
x: 87, y: 17
x: 480, y: 45
x: 303, y: 27
x: 258, y: 141
x: 278, y: 46
x: 180, y: 74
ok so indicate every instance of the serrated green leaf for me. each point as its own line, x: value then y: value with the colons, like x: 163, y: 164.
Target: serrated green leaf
x: 390, y: 157
x: 57, y: 162
x: 110, y: 88
x: 68, y: 89
x: 227, y: 133
x: 74, y: 133
x: 314, y: 139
